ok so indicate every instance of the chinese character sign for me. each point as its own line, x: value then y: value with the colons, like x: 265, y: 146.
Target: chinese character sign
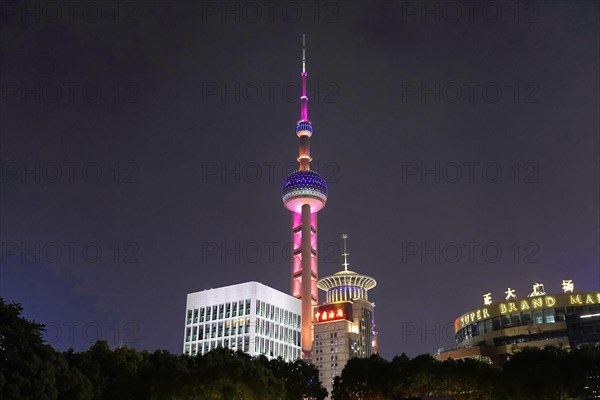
x: 330, y: 315
x: 538, y: 290
x: 487, y: 299
x: 568, y: 286
x: 510, y: 294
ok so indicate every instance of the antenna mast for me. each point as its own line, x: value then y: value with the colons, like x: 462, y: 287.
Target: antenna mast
x: 345, y: 254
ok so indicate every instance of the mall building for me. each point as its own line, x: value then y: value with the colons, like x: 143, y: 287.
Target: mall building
x: 250, y: 317
x: 493, y: 332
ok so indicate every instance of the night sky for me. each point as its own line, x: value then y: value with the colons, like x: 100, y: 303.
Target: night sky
x: 143, y: 146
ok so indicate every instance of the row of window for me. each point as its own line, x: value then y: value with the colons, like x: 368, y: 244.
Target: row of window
x: 334, y: 366
x: 240, y: 326
x: 242, y: 308
x: 277, y: 332
x: 262, y: 345
x: 221, y: 311
x: 331, y: 350
x: 529, y: 338
x: 548, y: 316
x: 274, y: 313
x: 331, y: 335
x: 217, y: 329
x: 333, y: 358
x: 274, y: 349
x: 240, y: 343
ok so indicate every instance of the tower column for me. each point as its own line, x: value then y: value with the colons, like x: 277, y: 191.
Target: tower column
x: 307, y: 334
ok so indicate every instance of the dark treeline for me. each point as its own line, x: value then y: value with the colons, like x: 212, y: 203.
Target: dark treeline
x: 32, y: 369
x: 532, y: 374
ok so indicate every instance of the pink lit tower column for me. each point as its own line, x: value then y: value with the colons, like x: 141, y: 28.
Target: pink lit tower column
x: 304, y: 193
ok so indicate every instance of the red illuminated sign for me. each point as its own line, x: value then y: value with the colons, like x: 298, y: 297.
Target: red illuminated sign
x: 324, y: 316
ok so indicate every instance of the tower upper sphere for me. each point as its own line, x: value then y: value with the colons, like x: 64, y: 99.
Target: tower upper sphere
x: 304, y: 187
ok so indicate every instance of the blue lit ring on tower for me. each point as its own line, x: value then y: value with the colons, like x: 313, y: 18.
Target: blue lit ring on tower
x: 304, y: 129
x: 304, y: 187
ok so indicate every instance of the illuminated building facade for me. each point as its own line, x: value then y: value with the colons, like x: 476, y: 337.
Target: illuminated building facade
x: 304, y: 193
x: 344, y: 325
x: 495, y: 331
x: 249, y: 316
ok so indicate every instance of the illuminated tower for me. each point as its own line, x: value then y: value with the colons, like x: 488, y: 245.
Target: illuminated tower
x: 304, y: 193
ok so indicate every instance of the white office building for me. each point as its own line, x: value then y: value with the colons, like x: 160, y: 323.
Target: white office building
x: 249, y: 316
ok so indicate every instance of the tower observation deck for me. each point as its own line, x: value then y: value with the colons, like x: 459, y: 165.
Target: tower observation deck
x: 346, y: 285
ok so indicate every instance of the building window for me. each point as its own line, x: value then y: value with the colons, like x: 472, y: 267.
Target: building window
x: 549, y: 316
x: 496, y: 323
x: 560, y: 314
x: 515, y: 319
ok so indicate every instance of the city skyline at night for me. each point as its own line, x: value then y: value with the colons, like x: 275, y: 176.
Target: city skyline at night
x: 143, y: 150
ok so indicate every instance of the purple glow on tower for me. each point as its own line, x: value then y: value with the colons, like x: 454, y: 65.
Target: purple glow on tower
x: 304, y: 100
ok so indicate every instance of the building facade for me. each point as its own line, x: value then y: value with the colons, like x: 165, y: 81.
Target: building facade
x: 250, y: 317
x: 495, y: 331
x: 344, y: 326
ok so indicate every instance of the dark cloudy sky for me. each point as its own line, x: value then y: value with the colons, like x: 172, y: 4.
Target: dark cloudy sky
x: 143, y: 146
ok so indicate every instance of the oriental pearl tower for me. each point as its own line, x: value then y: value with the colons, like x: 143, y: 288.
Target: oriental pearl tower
x: 304, y: 193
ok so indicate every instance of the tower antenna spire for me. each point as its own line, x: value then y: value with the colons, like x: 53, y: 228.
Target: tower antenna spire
x: 303, y: 52
x: 345, y: 254
x: 304, y: 74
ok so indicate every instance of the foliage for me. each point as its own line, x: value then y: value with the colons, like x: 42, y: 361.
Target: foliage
x: 33, y: 370
x: 532, y: 374
x: 30, y: 369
